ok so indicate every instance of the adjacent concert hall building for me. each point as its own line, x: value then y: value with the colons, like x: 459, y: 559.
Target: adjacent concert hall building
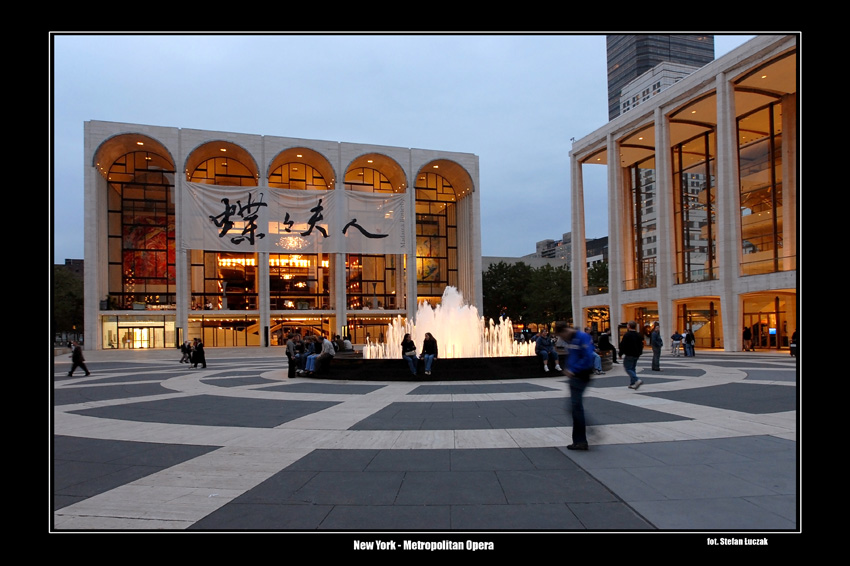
x: 702, y: 191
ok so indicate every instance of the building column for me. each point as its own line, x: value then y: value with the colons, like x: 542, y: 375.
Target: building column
x: 182, y: 256
x: 263, y: 270
x: 577, y: 243
x: 95, y: 252
x: 264, y: 298
x: 338, y: 283
x: 617, y: 207
x: 728, y: 214
x: 410, y: 262
x: 664, y: 229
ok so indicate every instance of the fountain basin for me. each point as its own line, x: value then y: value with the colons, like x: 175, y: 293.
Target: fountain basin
x: 354, y: 367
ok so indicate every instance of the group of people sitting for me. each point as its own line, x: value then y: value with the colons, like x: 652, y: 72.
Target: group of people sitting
x: 546, y: 348
x: 429, y: 353
x: 313, y: 354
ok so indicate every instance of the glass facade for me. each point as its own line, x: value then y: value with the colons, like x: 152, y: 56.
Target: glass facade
x: 140, y: 205
x: 694, y: 210
x: 640, y: 188
x: 436, y: 237
x: 371, y: 280
x: 760, y: 158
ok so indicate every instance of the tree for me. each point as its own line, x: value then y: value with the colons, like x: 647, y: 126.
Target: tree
x: 527, y: 294
x: 67, y: 300
x: 597, y: 275
x: 550, y: 294
x: 503, y: 287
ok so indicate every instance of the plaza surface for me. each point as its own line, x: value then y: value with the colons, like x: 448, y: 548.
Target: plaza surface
x: 148, y: 444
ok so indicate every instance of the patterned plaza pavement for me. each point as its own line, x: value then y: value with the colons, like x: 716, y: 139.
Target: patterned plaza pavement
x: 145, y: 443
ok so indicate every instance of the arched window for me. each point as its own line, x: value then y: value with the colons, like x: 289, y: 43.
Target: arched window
x: 370, y: 279
x: 140, y: 206
x: 436, y: 236
x: 223, y: 280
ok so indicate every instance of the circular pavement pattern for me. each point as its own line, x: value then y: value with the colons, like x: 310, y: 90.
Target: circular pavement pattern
x: 147, y: 443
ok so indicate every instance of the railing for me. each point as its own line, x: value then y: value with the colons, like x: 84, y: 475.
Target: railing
x: 138, y: 301
x: 647, y: 282
x: 695, y: 276
x: 596, y: 290
x: 758, y: 264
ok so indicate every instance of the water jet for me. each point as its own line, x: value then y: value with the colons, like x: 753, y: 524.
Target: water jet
x: 470, y: 347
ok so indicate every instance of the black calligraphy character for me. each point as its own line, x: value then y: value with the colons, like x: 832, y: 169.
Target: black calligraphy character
x: 365, y: 233
x: 288, y: 223
x: 317, y: 215
x: 249, y: 214
x: 225, y: 224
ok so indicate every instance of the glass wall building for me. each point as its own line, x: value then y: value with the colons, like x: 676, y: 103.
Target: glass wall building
x: 630, y: 56
x: 702, y: 203
x: 238, y: 239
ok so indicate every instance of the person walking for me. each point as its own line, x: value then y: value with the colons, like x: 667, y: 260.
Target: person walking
x: 579, y: 369
x: 631, y: 347
x: 77, y: 359
x: 198, y: 356
x: 748, y: 339
x: 656, y: 343
x: 186, y: 350
x: 429, y: 351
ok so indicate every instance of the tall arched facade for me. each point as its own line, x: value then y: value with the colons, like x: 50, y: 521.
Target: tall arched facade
x: 702, y: 203
x: 151, y: 284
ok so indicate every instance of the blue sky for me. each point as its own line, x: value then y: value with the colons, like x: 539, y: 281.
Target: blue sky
x: 514, y: 100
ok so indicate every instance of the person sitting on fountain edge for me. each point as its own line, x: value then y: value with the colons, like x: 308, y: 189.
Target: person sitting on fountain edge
x: 408, y: 352
x: 545, y: 349
x: 429, y: 351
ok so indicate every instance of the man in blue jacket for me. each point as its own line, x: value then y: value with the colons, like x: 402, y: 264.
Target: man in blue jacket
x: 580, y: 355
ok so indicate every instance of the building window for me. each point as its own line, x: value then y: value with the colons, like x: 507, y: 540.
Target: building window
x: 694, y: 209
x: 371, y: 280
x: 760, y: 166
x: 141, y: 253
x: 436, y: 237
x: 223, y: 280
x: 640, y: 187
x: 297, y: 176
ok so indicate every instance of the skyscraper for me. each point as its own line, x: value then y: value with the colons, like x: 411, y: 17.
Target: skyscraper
x: 629, y: 56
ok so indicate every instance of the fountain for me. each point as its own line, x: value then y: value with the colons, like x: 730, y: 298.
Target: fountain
x: 469, y: 346
x: 459, y: 330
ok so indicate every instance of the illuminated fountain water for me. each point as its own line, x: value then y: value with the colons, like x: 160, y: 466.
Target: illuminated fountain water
x: 459, y: 330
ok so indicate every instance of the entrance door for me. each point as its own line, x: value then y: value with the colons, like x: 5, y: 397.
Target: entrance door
x: 764, y: 330
x: 142, y: 337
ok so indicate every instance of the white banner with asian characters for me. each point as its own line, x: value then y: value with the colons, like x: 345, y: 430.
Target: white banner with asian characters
x: 263, y: 219
x: 374, y: 223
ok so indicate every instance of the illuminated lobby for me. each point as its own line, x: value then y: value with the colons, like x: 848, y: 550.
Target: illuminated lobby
x: 240, y: 239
